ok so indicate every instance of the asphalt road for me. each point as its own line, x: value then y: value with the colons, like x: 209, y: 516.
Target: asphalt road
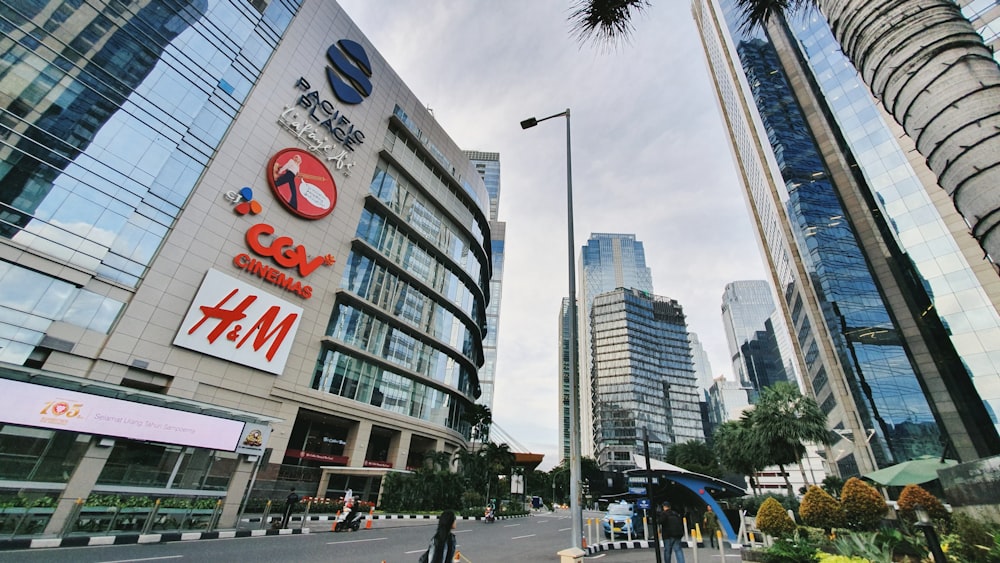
x: 536, y: 538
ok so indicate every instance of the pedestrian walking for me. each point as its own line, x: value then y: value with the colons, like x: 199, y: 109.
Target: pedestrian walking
x: 672, y: 529
x: 290, y: 501
x: 442, y: 546
x: 710, y: 524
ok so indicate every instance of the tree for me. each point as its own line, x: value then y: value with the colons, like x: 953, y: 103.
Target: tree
x: 773, y: 520
x: 820, y: 510
x: 863, y: 506
x: 783, y: 419
x: 921, y: 58
x: 695, y: 456
x: 739, y: 450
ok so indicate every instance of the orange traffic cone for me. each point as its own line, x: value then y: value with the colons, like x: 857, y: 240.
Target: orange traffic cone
x: 333, y: 527
x: 458, y: 555
x: 368, y: 524
x: 584, y: 541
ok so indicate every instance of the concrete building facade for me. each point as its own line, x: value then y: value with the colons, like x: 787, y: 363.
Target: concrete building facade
x: 253, y: 253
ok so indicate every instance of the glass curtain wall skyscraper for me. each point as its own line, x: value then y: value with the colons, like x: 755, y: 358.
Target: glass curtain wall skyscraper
x: 565, y: 392
x: 607, y: 262
x: 874, y: 352
x: 488, y: 166
x: 747, y: 307
x: 643, y: 377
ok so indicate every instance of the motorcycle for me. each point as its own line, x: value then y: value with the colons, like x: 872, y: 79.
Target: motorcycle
x: 350, y: 521
x: 489, y: 516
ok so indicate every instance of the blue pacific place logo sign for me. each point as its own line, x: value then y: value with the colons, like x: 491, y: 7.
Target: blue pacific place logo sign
x: 349, y: 76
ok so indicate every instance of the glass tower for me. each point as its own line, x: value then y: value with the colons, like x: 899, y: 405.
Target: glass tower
x: 488, y: 166
x: 746, y: 317
x: 608, y: 261
x: 564, y: 385
x: 872, y: 347
x: 643, y: 377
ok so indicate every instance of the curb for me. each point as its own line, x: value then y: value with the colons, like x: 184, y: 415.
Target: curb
x: 126, y: 539
x: 330, y: 518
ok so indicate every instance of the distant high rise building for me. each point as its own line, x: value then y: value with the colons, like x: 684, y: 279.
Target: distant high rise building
x: 643, y: 376
x: 564, y: 387
x: 608, y: 261
x: 488, y: 166
x: 702, y: 365
x: 747, y: 307
x: 727, y: 400
x: 890, y: 310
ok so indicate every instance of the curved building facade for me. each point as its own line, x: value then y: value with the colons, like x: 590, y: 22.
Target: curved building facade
x: 237, y: 255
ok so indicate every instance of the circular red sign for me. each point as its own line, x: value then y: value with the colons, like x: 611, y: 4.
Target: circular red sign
x: 302, y: 183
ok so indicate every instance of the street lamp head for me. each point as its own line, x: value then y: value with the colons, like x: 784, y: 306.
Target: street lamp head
x: 529, y: 123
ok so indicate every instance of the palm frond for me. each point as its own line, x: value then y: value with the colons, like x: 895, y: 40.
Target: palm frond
x: 606, y: 21
x: 756, y: 13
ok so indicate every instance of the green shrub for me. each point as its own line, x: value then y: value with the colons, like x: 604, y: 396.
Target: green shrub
x: 862, y: 545
x: 972, y: 539
x: 863, y: 506
x: 789, y: 550
x: 752, y: 504
x: 821, y: 510
x: 773, y: 520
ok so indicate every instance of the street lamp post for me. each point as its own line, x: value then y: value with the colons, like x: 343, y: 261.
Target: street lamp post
x: 574, y: 377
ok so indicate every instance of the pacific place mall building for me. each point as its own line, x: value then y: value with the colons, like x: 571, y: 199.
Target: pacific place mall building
x: 236, y: 254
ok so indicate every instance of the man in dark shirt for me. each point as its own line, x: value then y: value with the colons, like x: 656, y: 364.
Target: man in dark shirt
x: 672, y: 529
x: 290, y: 501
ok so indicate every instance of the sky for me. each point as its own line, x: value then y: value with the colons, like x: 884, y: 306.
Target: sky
x: 649, y: 157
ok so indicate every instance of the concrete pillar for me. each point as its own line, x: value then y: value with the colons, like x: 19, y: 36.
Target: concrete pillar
x: 324, y: 484
x: 357, y: 441
x: 81, y: 483
x: 236, y: 491
x: 399, y: 450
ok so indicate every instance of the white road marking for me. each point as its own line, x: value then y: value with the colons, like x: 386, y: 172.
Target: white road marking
x: 147, y: 559
x: 354, y: 541
x: 522, y: 537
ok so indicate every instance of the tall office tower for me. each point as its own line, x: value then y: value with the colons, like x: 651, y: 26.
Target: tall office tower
x: 564, y: 386
x: 747, y: 307
x: 608, y: 261
x: 643, y: 377
x: 232, y: 243
x: 727, y: 399
x: 488, y: 166
x: 887, y: 308
x: 702, y: 365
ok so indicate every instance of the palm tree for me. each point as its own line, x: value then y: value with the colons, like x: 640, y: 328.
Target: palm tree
x: 695, y: 456
x: 783, y: 419
x: 921, y: 58
x: 739, y: 450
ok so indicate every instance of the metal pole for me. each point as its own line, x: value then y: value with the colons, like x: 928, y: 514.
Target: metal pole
x: 575, y: 477
x: 649, y: 493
